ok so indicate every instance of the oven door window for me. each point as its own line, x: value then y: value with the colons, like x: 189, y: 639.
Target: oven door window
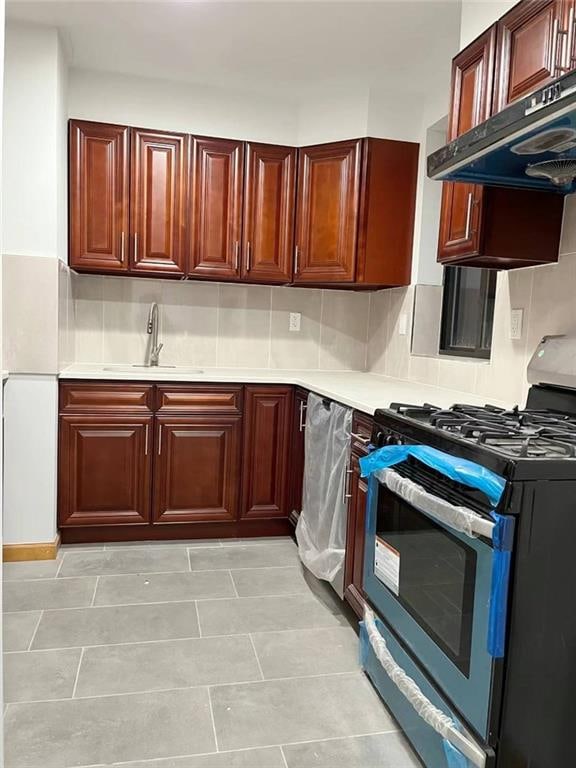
x: 430, y: 571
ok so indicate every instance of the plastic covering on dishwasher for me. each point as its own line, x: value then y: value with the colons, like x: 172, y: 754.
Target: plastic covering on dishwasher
x: 321, y: 529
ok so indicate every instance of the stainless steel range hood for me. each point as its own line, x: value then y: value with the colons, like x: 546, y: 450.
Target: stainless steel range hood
x: 529, y: 144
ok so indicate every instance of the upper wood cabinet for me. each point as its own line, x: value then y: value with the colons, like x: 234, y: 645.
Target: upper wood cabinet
x: 355, y: 213
x: 269, y: 199
x: 158, y: 202
x: 99, y: 206
x: 216, y: 208
x: 532, y: 48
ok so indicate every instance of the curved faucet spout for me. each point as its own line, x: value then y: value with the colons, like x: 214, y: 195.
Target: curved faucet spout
x: 154, y: 348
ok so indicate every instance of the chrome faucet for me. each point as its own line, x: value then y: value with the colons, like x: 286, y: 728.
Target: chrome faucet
x: 153, y: 354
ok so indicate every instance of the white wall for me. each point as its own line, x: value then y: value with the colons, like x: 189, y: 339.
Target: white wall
x: 2, y: 17
x: 478, y: 15
x: 171, y: 106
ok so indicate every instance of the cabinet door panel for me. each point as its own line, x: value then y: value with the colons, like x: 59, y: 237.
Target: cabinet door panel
x: 269, y: 213
x: 99, y: 196
x: 529, y: 49
x: 355, y: 539
x: 197, y: 469
x: 158, y: 198
x: 327, y: 212
x: 461, y: 212
x: 266, y: 433
x: 104, y: 470
x: 217, y: 180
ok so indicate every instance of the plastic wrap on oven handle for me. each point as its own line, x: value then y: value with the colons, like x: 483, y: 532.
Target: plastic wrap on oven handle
x: 461, y: 470
x: 462, y: 747
x: 459, y: 518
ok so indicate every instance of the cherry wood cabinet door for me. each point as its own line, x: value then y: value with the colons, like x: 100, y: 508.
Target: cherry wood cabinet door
x: 197, y: 468
x: 327, y: 212
x: 269, y: 201
x: 217, y: 193
x: 158, y: 202
x: 104, y: 470
x: 297, y: 454
x: 531, y: 49
x: 355, y: 538
x: 267, y: 417
x: 461, y: 211
x: 99, y: 187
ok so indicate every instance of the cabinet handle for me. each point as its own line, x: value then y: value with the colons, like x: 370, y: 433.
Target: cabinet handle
x: 296, y: 260
x: 237, y: 255
x: 135, y: 247
x: 146, y: 441
x: 361, y: 438
x: 122, y: 241
x: 345, y: 490
x: 560, y: 66
x: 303, y: 407
x: 160, y: 441
x: 468, y: 215
x: 248, y: 256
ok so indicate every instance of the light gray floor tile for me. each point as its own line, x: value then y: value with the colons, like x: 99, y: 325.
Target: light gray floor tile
x: 192, y: 543
x: 111, y: 728
x: 265, y: 540
x: 302, y: 709
x: 114, y: 669
x: 243, y: 557
x: 79, y: 548
x: 40, y: 675
x: 18, y: 630
x: 117, y: 624
x: 307, y: 652
x: 269, y: 757
x: 37, y: 569
x: 388, y: 750
x: 252, y: 582
x: 48, y: 593
x: 163, y: 587
x: 117, y: 561
x: 264, y: 614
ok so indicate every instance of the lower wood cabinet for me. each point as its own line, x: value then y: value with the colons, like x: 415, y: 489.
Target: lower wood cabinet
x: 267, y: 417
x: 197, y: 468
x: 105, y: 466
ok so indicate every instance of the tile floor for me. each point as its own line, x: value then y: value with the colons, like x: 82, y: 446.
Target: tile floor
x: 186, y: 655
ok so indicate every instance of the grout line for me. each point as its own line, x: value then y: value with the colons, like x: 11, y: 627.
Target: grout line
x: 283, y: 756
x: 189, y: 560
x: 77, y: 675
x: 257, y: 657
x: 60, y: 566
x: 198, y: 618
x: 212, y: 718
x: 35, y: 631
x: 233, y: 583
x: 95, y: 590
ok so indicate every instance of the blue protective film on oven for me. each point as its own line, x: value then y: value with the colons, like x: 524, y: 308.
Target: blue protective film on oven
x: 461, y: 470
x: 502, y: 539
x: 455, y: 758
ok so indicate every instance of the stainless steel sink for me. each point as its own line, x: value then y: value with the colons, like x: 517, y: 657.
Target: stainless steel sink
x: 164, y: 369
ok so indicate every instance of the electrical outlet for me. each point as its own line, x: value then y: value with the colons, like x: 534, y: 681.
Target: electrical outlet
x: 403, y: 324
x: 516, y: 317
x: 294, y: 322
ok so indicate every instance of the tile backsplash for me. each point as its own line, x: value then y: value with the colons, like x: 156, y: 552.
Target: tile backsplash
x: 209, y: 324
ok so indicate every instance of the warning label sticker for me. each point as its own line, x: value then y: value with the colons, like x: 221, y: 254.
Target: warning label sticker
x: 387, y: 565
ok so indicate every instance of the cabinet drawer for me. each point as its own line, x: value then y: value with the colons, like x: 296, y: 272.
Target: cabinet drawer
x: 82, y: 397
x: 362, y: 425
x: 199, y: 399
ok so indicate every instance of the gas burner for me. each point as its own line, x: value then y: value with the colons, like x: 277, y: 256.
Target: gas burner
x: 526, y: 446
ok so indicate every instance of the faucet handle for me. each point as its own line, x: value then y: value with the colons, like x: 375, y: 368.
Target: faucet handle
x: 158, y: 348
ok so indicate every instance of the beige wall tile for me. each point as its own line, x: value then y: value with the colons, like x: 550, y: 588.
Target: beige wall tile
x: 457, y: 374
x: 66, y: 329
x: 30, y: 314
x: 427, y: 316
x: 568, y: 239
x: 244, y: 326
x: 88, y: 318
x: 291, y: 349
x: 189, y: 323
x: 378, y: 330
x: 344, y: 330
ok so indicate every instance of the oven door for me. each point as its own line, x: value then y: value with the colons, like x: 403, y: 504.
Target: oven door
x: 431, y: 583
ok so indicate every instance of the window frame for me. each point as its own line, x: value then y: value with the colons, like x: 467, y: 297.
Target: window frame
x: 450, y: 298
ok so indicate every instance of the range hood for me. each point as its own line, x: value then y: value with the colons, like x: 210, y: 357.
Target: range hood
x: 529, y: 144
x: 554, y: 361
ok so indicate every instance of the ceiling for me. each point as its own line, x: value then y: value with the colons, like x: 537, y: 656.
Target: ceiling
x: 290, y: 47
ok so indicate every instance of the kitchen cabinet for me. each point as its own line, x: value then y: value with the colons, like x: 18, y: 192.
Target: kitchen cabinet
x: 158, y: 202
x: 269, y: 200
x: 197, y: 468
x: 356, y: 521
x: 105, y: 463
x: 355, y: 213
x: 297, y: 453
x: 267, y: 416
x: 491, y: 226
x: 99, y: 201
x: 534, y: 47
x: 217, y: 175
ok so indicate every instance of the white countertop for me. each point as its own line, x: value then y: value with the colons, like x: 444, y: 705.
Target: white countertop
x: 363, y: 391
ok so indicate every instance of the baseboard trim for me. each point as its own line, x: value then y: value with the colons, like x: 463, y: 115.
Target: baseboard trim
x: 14, y: 553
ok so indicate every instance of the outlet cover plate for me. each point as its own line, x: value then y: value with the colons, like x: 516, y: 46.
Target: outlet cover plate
x: 516, y: 317
x: 294, y: 321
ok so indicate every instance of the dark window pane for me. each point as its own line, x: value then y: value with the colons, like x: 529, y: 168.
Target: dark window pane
x: 468, y: 311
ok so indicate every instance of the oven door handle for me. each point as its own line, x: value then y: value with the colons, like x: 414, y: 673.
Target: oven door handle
x: 458, y: 518
x: 444, y: 725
